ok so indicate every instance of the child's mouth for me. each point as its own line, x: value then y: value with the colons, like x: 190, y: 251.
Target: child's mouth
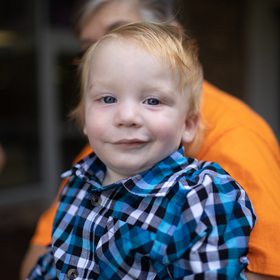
x: 130, y: 143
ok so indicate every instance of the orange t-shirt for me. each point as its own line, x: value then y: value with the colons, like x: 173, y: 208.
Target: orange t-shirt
x: 244, y: 145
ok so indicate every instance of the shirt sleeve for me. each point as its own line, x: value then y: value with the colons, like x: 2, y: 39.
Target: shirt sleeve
x: 45, y: 268
x: 211, y: 238
x: 251, y: 163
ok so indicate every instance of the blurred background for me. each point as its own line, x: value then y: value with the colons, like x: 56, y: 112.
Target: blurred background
x: 239, y: 49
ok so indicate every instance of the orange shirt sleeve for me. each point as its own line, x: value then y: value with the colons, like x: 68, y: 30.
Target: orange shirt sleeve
x: 244, y: 145
x: 42, y: 235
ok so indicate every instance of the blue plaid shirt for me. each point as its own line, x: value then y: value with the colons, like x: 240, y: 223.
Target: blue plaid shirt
x: 182, y: 219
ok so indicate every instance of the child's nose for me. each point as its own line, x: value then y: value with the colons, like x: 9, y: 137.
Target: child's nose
x: 128, y: 114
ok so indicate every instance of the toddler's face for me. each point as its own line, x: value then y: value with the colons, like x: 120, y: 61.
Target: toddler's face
x: 135, y: 115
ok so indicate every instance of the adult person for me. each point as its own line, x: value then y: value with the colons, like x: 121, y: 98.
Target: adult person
x: 235, y: 137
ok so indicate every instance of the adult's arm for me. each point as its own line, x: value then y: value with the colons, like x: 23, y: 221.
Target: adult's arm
x: 255, y: 276
x: 31, y: 257
x: 45, y: 267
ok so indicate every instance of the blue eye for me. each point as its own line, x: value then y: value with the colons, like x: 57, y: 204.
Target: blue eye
x: 152, y: 101
x: 108, y: 99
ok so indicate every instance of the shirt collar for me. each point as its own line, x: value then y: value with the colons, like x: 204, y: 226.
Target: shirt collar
x: 156, y: 181
x: 91, y: 169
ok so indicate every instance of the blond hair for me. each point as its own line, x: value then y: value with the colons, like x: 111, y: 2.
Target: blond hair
x: 161, y: 41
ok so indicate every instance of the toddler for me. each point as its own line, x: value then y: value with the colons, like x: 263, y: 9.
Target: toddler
x: 137, y: 208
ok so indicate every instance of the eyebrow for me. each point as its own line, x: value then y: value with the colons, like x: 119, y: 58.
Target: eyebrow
x: 108, y: 29
x: 161, y: 89
x: 152, y: 88
x: 116, y: 25
x: 96, y: 84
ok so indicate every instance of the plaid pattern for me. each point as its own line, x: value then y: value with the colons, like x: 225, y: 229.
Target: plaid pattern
x: 182, y: 219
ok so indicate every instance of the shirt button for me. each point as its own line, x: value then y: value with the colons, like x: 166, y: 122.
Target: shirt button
x: 96, y: 200
x: 72, y: 273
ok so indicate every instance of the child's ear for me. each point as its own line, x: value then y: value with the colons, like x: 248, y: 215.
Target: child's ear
x: 191, y: 125
x: 85, y: 130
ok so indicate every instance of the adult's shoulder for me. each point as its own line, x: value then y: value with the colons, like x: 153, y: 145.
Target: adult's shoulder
x: 223, y: 114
